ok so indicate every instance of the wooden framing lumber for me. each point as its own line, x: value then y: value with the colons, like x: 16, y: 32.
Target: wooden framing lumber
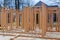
x: 31, y: 19
x: 58, y: 20
x: 17, y: 18
x: 11, y: 19
x: 4, y: 19
x: 26, y: 19
x: 34, y: 19
x: 51, y: 21
x: 40, y: 20
x: 44, y: 18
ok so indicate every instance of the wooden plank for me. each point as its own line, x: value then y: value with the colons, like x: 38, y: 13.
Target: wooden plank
x: 51, y: 21
x: 48, y: 29
x: 47, y: 20
x: 31, y: 19
x: 27, y: 15
x: 23, y: 20
x: 2, y: 16
x: 34, y: 19
x: 46, y: 38
x: 26, y: 24
x: 4, y: 19
x: 58, y: 20
x: 44, y: 18
x: 17, y: 18
x: 40, y: 19
x: 11, y: 19
x: 24, y: 13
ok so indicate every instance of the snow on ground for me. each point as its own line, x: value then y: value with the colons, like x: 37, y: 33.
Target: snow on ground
x: 53, y: 34
x: 19, y: 38
x: 49, y: 34
x: 6, y: 37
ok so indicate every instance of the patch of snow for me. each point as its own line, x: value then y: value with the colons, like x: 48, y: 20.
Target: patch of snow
x: 53, y: 34
x: 6, y: 37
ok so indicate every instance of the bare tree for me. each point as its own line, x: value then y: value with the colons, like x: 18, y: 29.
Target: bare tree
x: 6, y: 3
x: 18, y: 3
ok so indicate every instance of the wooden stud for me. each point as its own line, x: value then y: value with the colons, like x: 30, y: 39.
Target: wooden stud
x: 58, y: 20
x: 24, y: 13
x: 31, y: 18
x: 22, y: 20
x: 44, y: 18
x: 4, y: 19
x: 40, y: 19
x: 26, y: 19
x: 17, y: 18
x: 11, y: 19
x: 34, y: 19
x: 51, y: 21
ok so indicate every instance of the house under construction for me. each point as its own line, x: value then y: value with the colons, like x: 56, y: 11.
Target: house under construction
x: 38, y: 19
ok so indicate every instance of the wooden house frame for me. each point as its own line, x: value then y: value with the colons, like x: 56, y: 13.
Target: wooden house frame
x: 29, y: 19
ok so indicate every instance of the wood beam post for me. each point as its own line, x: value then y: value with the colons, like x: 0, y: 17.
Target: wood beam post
x: 22, y: 19
x: 34, y: 20
x: 11, y: 19
x: 44, y: 19
x: 58, y: 20
x: 17, y: 18
x: 40, y: 20
x: 51, y: 21
x: 31, y: 19
x: 4, y: 19
x: 26, y: 19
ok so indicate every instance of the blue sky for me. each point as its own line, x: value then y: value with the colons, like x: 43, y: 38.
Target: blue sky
x: 35, y: 1
x: 48, y: 2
